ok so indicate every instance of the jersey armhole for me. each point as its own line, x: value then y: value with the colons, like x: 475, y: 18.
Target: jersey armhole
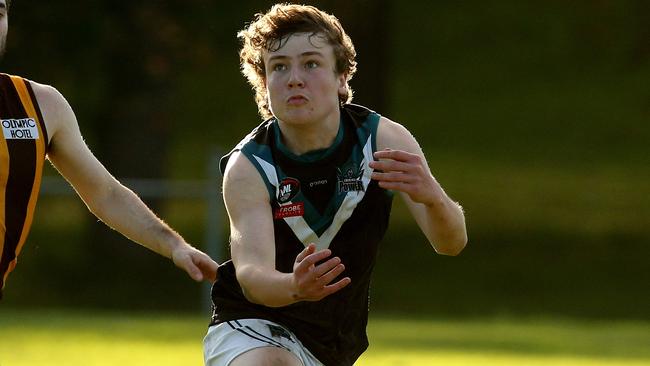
x: 39, y: 114
x: 373, y: 125
x: 264, y: 174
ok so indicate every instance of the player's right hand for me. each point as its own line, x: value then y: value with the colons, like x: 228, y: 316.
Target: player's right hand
x: 312, y: 279
x: 198, y: 265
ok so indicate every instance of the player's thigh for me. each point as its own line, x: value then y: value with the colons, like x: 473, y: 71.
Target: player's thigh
x: 266, y: 356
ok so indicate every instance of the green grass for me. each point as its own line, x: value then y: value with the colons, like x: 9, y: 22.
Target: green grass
x: 507, y: 342
x: 98, y: 339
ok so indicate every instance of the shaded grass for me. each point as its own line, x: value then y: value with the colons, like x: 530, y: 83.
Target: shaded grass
x: 77, y: 338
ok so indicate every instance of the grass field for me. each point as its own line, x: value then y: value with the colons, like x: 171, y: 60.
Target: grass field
x: 102, y: 339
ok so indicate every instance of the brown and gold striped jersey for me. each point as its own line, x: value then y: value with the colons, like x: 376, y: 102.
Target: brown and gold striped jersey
x: 23, y: 148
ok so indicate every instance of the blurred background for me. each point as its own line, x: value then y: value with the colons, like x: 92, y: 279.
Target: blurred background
x: 535, y: 116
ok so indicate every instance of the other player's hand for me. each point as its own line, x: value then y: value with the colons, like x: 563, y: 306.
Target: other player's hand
x: 313, y: 279
x: 197, y: 264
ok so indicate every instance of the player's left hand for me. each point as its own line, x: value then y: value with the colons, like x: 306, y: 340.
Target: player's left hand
x: 197, y: 264
x: 404, y: 172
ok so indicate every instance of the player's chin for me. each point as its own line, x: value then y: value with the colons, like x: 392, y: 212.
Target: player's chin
x: 296, y: 115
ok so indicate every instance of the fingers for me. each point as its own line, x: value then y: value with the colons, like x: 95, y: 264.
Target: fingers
x: 392, y: 166
x: 330, y: 275
x: 187, y: 263
x: 396, y: 186
x: 310, y: 260
x: 330, y: 289
x: 323, y: 268
x: 207, y: 267
x: 396, y: 166
x: 311, y: 248
x: 397, y: 155
x: 404, y: 172
x: 313, y: 279
x: 198, y: 265
x: 397, y: 161
x: 394, y: 177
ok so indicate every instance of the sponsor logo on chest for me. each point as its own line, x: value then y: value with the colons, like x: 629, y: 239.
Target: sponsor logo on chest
x: 289, y: 188
x: 20, y: 129
x: 289, y: 210
x: 316, y: 183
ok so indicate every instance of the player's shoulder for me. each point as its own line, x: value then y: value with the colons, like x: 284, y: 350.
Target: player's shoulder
x: 239, y: 168
x: 43, y: 92
x: 46, y: 94
x: 256, y: 142
x: 242, y: 182
x: 392, y: 134
x: 388, y: 127
x: 56, y: 111
x: 51, y: 102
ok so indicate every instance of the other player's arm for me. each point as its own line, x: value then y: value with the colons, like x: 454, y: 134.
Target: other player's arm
x: 114, y: 204
x: 252, y: 246
x: 402, y: 167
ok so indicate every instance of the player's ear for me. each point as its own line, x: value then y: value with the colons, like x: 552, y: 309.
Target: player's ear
x: 343, y: 83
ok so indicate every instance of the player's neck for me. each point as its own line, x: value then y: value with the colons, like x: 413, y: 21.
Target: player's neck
x: 303, y: 138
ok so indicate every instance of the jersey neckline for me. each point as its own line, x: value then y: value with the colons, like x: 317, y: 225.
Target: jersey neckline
x: 310, y: 156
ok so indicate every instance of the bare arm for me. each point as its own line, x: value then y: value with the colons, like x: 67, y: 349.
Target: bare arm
x: 114, y: 204
x: 253, y: 246
x: 403, y: 167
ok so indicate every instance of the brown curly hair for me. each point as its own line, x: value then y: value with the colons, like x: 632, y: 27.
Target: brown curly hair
x: 269, y: 31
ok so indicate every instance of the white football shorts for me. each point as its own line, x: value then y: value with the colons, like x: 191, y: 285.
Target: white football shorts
x: 227, y: 340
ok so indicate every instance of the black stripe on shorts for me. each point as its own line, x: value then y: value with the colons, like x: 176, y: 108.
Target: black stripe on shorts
x: 263, y: 338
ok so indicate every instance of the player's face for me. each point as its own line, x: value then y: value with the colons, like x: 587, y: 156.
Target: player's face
x: 4, y: 25
x: 301, y: 80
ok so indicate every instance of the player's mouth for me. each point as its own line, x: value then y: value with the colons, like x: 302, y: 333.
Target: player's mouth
x: 296, y: 100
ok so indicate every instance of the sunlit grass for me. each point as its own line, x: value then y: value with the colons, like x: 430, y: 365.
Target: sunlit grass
x: 71, y: 339
x: 506, y: 342
x: 99, y: 339
x: 393, y: 358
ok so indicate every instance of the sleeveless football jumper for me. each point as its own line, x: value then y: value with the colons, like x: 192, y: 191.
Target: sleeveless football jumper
x: 324, y: 197
x: 23, y: 147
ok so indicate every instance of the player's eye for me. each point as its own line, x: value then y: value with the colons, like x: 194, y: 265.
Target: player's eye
x: 311, y: 64
x: 279, y: 67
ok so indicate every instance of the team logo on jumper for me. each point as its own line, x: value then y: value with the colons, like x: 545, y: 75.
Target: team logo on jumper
x: 289, y: 188
x: 349, y: 177
x: 20, y: 129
